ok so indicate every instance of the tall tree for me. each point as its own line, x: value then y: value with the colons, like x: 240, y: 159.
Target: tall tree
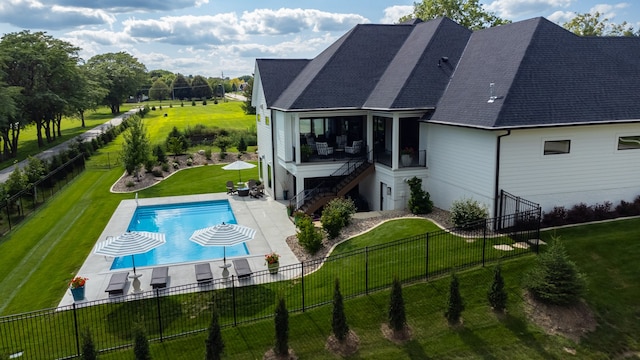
x: 44, y: 68
x: 247, y: 92
x: 136, y: 149
x: 121, y: 74
x: 339, y: 320
x: 200, y: 88
x: 588, y: 24
x: 181, y: 87
x: 89, y: 93
x: 159, y: 90
x: 468, y: 13
x: 281, y: 347
x: 214, y: 343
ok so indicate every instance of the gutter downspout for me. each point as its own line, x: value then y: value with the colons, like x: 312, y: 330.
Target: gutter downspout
x: 497, y: 176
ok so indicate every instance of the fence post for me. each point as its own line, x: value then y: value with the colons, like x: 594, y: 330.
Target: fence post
x: 426, y: 258
x: 75, y: 325
x: 302, y: 280
x: 366, y: 270
x: 233, y: 294
x: 8, y: 214
x: 484, y: 240
x: 159, y: 313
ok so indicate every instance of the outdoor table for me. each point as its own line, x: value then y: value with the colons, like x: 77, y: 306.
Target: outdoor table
x: 243, y: 191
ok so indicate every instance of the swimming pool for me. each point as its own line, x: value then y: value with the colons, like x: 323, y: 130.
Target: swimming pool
x: 178, y: 222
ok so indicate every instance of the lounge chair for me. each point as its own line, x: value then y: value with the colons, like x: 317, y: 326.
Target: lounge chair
x: 251, y: 184
x: 324, y: 149
x: 231, y: 188
x: 159, y: 277
x: 242, y: 268
x: 117, y: 283
x: 355, y: 148
x: 203, y: 273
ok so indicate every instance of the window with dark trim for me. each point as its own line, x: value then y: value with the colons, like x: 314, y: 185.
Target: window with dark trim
x: 554, y: 147
x: 629, y: 142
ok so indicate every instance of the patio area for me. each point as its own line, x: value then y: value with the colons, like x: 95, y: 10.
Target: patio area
x: 267, y: 216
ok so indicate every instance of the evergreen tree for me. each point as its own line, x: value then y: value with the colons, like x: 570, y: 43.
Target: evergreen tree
x: 555, y: 279
x: 497, y: 296
x: 89, y: 351
x: 339, y: 321
x: 282, y: 328
x: 214, y: 343
x: 140, y: 343
x: 397, y: 315
x: 242, y: 145
x: 455, y: 306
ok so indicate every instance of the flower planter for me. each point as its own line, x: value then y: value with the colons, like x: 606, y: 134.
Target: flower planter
x: 78, y: 293
x: 273, y: 267
x: 406, y: 159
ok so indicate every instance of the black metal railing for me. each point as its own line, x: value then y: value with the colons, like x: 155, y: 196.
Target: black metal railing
x: 183, y: 310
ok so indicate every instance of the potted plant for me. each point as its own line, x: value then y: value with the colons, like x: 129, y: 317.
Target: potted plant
x: 273, y: 262
x: 406, y: 155
x: 305, y: 152
x: 77, y: 287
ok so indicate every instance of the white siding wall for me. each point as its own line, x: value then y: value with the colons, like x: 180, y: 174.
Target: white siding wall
x: 461, y: 164
x: 593, y: 172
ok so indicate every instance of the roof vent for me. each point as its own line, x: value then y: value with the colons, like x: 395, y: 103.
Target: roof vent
x: 492, y: 93
x: 443, y: 59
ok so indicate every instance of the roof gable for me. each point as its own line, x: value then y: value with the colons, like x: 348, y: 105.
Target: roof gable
x: 277, y: 74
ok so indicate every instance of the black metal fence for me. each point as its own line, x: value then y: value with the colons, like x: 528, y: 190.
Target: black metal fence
x: 182, y: 310
x: 17, y: 207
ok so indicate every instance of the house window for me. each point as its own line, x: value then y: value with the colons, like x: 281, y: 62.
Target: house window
x: 258, y: 117
x: 266, y: 120
x: 555, y: 147
x: 628, y: 142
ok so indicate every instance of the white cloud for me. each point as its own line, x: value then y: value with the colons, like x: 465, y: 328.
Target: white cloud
x: 290, y: 21
x: 561, y: 17
x: 33, y: 14
x: 607, y: 10
x: 393, y: 13
x: 519, y: 9
x: 120, y: 6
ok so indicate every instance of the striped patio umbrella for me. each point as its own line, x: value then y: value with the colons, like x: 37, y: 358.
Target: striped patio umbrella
x: 130, y: 243
x: 223, y: 235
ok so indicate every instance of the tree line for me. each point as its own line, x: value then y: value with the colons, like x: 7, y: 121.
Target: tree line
x: 43, y: 80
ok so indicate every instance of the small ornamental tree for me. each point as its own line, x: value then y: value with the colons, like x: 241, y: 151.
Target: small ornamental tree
x: 282, y: 328
x: 214, y: 343
x: 140, y: 343
x: 420, y: 200
x: 397, y: 314
x: 336, y: 215
x: 242, y: 145
x: 554, y: 278
x: 497, y: 296
x: 339, y: 321
x: 136, y: 148
x: 455, y: 306
x: 308, y: 235
x: 89, y: 351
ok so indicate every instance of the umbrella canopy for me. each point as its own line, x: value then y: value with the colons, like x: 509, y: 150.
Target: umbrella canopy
x: 130, y: 243
x: 238, y: 165
x: 223, y: 235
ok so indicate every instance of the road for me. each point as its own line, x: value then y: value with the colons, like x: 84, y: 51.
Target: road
x: 87, y: 136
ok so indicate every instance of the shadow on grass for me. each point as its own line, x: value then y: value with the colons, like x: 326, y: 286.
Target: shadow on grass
x: 122, y: 317
x: 474, y: 342
x: 414, y: 350
x: 518, y: 327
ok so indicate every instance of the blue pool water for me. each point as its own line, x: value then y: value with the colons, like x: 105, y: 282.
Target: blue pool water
x: 178, y: 222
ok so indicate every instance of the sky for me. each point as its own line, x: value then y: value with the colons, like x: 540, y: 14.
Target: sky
x: 215, y: 38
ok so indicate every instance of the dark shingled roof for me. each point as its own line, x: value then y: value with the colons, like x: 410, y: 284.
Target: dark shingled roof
x: 543, y: 76
x: 277, y: 74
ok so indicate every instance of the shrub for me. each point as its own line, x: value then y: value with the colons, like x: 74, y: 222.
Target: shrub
x: 204, y: 102
x: 182, y: 103
x: 557, y: 217
x: 89, y: 351
x: 554, y: 278
x: 130, y: 184
x: 176, y: 165
x: 170, y: 106
x: 603, y: 211
x: 189, y: 161
x: 455, y: 305
x: 309, y: 237
x: 140, y: 343
x: 193, y: 103
x: 497, y: 296
x: 16, y: 182
x: 397, y: 314
x: 282, y: 328
x: 242, y: 145
x: 207, y: 154
x: 159, y: 153
x: 420, y: 200
x: 157, y: 172
x: 165, y: 167
x: 223, y: 142
x: 214, y: 343
x: 336, y: 215
x: 153, y: 108
x: 339, y: 319
x: 468, y: 214
x: 580, y: 213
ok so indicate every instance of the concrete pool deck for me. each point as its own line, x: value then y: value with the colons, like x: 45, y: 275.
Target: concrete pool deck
x: 267, y: 216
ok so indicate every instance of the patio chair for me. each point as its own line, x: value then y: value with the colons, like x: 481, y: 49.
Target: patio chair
x: 231, y: 188
x: 324, y: 149
x: 117, y: 283
x: 159, y: 277
x: 242, y: 268
x: 203, y: 273
x: 251, y: 184
x: 355, y: 148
